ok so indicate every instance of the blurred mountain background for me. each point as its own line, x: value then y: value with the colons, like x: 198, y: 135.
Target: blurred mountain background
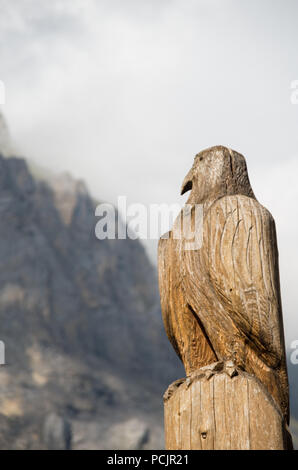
x: 87, y: 357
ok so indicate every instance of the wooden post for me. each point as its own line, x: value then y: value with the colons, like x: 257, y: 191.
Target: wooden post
x: 223, y: 413
x: 221, y: 307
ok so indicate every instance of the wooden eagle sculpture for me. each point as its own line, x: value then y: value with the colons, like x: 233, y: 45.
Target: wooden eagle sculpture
x: 221, y: 302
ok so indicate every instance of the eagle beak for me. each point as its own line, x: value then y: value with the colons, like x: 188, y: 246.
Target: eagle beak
x: 187, y: 183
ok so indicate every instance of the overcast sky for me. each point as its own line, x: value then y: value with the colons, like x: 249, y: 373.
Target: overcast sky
x: 124, y: 93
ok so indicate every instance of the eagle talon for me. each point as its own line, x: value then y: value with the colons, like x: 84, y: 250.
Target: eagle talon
x: 196, y: 375
x: 209, y: 374
x: 214, y: 367
x: 172, y: 388
x: 205, y: 372
x: 231, y: 369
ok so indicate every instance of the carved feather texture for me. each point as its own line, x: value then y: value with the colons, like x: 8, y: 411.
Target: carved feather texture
x: 222, y: 302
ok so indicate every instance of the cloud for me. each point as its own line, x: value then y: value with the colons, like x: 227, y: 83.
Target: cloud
x: 124, y: 94
x: 276, y: 188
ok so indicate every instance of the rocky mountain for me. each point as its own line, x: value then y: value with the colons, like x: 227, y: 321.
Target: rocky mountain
x: 87, y: 357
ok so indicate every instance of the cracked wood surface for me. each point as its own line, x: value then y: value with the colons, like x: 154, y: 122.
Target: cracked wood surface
x: 222, y: 302
x: 224, y: 413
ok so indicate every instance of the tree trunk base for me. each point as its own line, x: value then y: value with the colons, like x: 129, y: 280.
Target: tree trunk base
x: 215, y: 411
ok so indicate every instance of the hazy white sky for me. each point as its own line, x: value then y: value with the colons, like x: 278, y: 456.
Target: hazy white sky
x: 123, y: 94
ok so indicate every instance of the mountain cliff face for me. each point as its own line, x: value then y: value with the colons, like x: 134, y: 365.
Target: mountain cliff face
x: 87, y: 357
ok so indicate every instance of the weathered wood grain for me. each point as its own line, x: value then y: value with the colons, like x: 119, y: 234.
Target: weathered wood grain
x: 224, y: 413
x: 221, y: 301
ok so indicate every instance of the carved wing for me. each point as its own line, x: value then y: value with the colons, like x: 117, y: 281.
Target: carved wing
x: 240, y: 280
x: 166, y: 281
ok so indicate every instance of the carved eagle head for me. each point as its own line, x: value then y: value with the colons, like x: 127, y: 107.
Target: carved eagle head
x: 217, y: 172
